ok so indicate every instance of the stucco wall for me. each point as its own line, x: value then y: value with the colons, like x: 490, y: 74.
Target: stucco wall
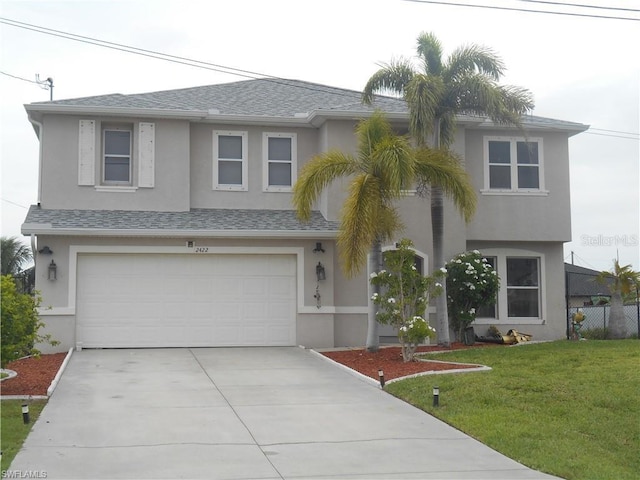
x: 520, y: 216
x: 60, y: 187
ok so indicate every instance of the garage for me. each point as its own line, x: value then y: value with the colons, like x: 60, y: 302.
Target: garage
x: 185, y: 300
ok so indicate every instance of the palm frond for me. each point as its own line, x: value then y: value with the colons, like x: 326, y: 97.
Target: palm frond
x: 359, y: 223
x: 442, y: 168
x: 478, y: 94
x: 13, y: 255
x: 423, y: 95
x: 393, y: 162
x: 430, y: 51
x: 471, y: 59
x: 370, y: 133
x: 316, y: 175
x: 393, y: 78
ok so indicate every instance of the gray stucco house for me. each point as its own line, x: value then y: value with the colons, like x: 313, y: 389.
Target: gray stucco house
x: 165, y: 219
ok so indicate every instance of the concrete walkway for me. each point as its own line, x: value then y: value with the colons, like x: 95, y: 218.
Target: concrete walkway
x: 241, y: 413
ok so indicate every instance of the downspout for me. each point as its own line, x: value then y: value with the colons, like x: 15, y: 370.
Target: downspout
x: 40, y: 127
x: 34, y: 250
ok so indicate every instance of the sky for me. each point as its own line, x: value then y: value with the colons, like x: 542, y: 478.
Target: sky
x: 579, y: 69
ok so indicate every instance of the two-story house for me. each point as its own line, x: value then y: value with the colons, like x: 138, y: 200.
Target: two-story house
x: 165, y: 219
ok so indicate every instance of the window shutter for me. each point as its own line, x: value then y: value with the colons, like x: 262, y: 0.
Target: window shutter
x: 87, y: 152
x: 146, y: 155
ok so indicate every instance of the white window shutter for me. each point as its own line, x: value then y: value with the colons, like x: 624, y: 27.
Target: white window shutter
x: 146, y: 155
x: 87, y: 152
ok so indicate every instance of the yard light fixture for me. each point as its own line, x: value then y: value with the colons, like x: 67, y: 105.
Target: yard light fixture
x: 320, y: 273
x: 25, y: 413
x: 436, y: 396
x: 381, y: 376
x: 53, y: 271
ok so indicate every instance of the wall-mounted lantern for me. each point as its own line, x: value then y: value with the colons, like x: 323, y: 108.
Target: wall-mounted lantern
x: 320, y: 273
x: 53, y: 271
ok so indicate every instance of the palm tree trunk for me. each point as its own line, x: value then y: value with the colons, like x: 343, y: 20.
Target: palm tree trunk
x: 617, y: 320
x: 437, y: 227
x: 375, y: 265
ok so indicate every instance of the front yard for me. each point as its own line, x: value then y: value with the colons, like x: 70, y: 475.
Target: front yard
x: 14, y: 431
x: 570, y: 409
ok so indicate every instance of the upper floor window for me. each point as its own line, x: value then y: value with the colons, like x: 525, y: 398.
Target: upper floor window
x: 230, y: 160
x: 513, y: 164
x: 280, y: 161
x: 117, y: 156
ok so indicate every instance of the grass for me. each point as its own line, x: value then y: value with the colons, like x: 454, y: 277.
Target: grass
x: 570, y: 409
x: 14, y: 431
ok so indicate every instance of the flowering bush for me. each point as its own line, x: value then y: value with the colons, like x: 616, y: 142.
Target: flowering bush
x: 404, y: 298
x: 471, y: 283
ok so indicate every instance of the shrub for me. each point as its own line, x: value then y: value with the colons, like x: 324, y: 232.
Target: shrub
x: 20, y: 323
x: 404, y: 298
x: 471, y: 283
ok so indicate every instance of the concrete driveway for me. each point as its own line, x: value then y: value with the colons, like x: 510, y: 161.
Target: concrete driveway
x: 241, y: 413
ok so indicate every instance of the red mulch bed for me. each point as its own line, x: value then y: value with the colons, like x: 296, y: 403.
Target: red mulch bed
x: 35, y: 374
x: 389, y: 360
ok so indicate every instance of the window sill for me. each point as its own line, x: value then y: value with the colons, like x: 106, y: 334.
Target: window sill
x: 115, y: 189
x: 230, y: 188
x: 509, y: 321
x: 278, y: 190
x: 522, y: 193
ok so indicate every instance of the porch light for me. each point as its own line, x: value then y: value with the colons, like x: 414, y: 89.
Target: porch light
x: 53, y: 271
x: 436, y: 396
x: 320, y: 273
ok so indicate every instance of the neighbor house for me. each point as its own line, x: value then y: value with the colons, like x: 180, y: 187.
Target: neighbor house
x: 165, y: 219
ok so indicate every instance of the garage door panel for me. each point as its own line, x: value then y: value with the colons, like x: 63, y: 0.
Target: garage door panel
x: 153, y: 300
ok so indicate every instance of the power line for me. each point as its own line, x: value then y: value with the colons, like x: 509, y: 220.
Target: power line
x: 580, y: 5
x: 513, y: 9
x: 14, y: 203
x: 19, y: 78
x: 615, y: 131
x: 614, y: 136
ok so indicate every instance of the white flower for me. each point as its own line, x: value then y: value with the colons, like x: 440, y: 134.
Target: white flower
x: 458, y: 261
x: 472, y: 311
x: 472, y: 287
x: 413, y: 267
x: 392, y: 300
x: 477, y: 252
x: 438, y: 284
x: 374, y: 296
x: 443, y: 270
x: 373, y: 275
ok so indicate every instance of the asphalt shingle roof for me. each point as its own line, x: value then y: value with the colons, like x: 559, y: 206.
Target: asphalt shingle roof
x: 263, y: 97
x: 193, y: 221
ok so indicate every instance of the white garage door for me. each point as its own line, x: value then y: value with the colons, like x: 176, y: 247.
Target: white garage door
x: 153, y: 300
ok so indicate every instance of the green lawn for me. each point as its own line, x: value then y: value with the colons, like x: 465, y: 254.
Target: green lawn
x: 571, y: 409
x: 14, y: 431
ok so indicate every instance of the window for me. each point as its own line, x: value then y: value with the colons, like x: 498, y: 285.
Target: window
x: 523, y: 287
x: 521, y: 295
x: 230, y: 160
x: 280, y: 162
x: 117, y: 156
x: 513, y: 164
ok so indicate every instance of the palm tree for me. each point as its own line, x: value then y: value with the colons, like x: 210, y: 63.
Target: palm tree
x: 14, y: 255
x: 621, y: 281
x: 385, y: 164
x: 466, y: 83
